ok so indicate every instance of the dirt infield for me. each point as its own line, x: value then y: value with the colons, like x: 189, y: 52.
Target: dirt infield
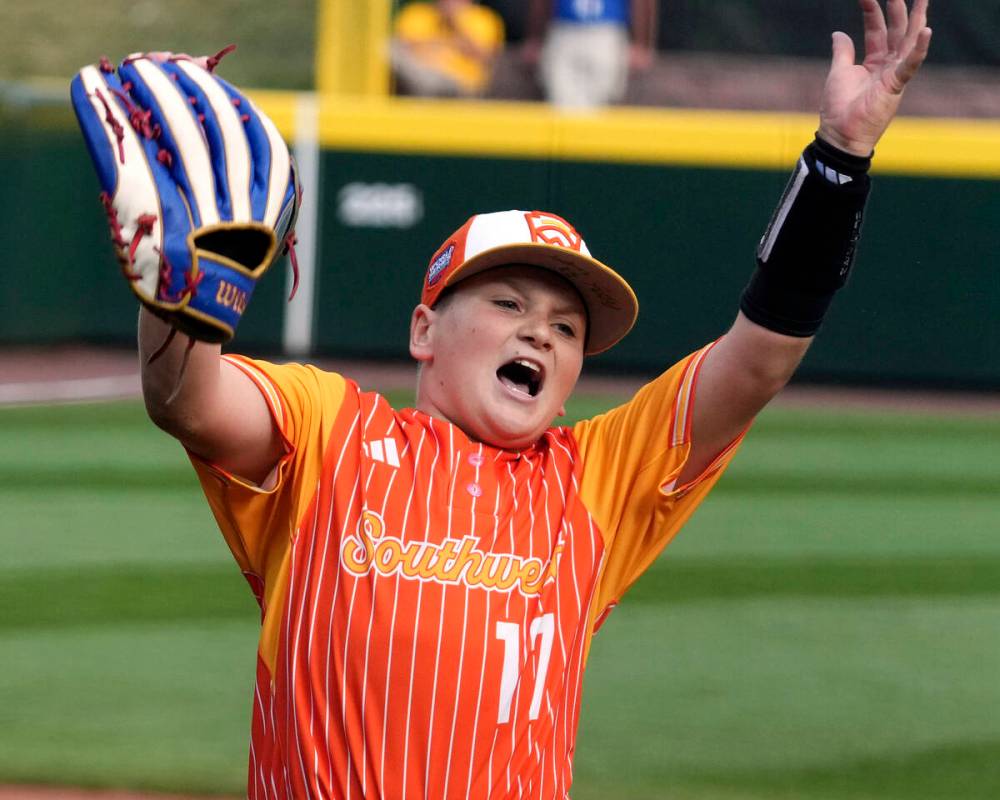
x: 80, y: 373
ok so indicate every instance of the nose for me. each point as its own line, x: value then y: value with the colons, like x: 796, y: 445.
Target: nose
x: 535, y: 330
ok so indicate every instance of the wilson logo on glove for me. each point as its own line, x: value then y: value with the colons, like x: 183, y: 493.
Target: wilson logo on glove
x: 199, y: 188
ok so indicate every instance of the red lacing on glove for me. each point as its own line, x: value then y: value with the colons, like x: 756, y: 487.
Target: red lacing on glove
x: 213, y: 61
x: 139, y: 118
x: 237, y: 102
x: 191, y: 284
x: 116, y: 126
x: 163, y: 291
x: 164, y: 157
x: 105, y: 64
x: 144, y: 227
x: 116, y: 228
x: 126, y: 250
x: 290, y: 241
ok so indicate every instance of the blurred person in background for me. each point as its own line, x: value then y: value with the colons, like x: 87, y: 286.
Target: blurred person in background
x: 586, y: 49
x: 445, y: 48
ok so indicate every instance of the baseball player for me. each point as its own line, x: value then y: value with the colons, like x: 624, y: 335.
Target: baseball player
x: 430, y: 578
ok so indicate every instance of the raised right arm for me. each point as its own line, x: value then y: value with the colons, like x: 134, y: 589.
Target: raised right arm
x: 210, y: 406
x: 201, y: 196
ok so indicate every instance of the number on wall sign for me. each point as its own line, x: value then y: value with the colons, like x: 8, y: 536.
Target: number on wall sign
x: 510, y: 634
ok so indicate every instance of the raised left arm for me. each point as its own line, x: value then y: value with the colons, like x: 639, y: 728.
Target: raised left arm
x: 808, y: 248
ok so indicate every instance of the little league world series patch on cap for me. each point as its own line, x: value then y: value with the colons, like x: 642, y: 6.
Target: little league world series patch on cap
x: 538, y: 239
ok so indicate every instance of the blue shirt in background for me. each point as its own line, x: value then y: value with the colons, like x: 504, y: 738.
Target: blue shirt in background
x: 591, y: 11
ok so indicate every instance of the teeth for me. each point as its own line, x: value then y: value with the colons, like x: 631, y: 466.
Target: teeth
x: 528, y: 364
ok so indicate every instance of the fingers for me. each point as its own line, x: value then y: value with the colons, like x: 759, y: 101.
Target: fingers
x: 916, y: 24
x: 912, y: 60
x: 843, y: 51
x: 897, y: 16
x: 875, y: 31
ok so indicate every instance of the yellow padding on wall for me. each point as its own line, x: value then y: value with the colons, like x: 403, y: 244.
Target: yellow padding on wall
x: 733, y: 139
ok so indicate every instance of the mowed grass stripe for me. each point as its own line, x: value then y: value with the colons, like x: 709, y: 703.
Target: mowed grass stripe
x: 837, y: 481
x: 967, y: 770
x: 689, y: 579
x: 149, y: 594
x: 60, y: 477
x: 117, y: 595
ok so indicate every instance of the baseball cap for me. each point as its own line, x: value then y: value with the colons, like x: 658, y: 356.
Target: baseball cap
x: 539, y: 239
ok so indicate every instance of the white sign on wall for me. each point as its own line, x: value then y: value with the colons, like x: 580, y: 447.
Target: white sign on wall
x: 380, y: 205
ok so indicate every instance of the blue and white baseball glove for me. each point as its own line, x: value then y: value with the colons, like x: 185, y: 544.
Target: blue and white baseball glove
x: 199, y: 187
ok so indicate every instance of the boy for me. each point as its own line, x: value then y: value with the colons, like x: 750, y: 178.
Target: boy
x: 430, y: 578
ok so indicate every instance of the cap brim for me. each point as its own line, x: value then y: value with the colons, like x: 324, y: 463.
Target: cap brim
x: 612, y: 307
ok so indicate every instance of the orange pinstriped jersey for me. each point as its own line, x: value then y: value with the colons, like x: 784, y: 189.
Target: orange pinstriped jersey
x: 428, y: 601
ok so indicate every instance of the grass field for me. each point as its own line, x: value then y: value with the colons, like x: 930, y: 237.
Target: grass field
x: 53, y: 38
x: 827, y: 626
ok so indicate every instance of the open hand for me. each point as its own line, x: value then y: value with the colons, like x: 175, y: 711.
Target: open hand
x: 860, y: 100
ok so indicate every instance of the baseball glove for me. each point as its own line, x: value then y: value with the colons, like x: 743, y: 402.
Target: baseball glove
x: 199, y: 187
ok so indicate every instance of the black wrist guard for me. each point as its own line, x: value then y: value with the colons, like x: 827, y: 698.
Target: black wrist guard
x: 807, y: 251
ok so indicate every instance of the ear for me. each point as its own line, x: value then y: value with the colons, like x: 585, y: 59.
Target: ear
x: 422, y: 333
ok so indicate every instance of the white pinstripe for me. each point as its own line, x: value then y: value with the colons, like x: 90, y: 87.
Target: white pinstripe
x: 292, y: 667
x: 444, y: 598
x: 350, y: 615
x: 416, y: 622
x: 368, y: 639
x: 461, y: 656
x: 482, y: 666
x: 293, y: 674
x: 395, y: 601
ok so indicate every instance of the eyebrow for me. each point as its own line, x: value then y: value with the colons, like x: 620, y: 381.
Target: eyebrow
x: 514, y: 284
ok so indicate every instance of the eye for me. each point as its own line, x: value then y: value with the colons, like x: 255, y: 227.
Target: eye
x: 510, y: 305
x: 566, y: 329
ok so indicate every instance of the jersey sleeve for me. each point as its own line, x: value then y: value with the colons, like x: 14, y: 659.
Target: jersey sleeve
x: 258, y: 522
x: 631, y: 459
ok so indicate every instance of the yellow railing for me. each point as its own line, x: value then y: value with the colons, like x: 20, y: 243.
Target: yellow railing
x: 914, y: 146
x: 351, y: 37
x: 355, y: 112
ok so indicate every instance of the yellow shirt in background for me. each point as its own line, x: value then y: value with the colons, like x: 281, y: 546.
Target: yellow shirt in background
x: 450, y: 47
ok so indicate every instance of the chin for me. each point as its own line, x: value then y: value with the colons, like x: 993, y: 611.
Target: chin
x: 515, y: 438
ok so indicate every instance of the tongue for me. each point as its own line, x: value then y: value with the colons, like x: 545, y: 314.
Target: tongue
x: 523, y: 388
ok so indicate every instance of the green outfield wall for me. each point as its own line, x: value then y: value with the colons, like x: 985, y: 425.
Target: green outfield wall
x: 923, y: 304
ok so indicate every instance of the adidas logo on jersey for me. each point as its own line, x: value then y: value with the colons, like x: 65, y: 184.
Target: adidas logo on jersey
x: 383, y: 450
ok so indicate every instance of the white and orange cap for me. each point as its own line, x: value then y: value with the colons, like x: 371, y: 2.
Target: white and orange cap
x: 538, y: 239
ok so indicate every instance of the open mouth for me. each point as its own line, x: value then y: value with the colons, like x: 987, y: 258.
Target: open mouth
x: 522, y: 376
